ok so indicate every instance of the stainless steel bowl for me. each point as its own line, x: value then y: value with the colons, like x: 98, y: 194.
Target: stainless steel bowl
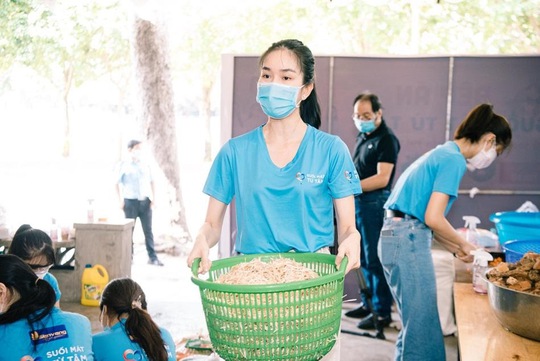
x: 516, y: 311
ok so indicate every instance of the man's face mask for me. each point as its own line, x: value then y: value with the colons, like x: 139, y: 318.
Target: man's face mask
x: 364, y: 126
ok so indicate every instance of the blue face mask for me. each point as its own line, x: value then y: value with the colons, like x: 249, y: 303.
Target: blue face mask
x: 277, y: 101
x: 364, y: 126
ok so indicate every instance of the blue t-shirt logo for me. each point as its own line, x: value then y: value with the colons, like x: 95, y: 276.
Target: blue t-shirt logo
x: 132, y: 355
x: 49, y: 334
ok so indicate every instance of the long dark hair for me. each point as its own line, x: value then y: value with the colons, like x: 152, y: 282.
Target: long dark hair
x: 29, y: 243
x: 36, y: 296
x: 310, y: 111
x: 125, y: 296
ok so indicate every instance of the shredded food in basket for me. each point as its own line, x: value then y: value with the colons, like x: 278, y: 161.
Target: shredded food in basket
x: 258, y: 272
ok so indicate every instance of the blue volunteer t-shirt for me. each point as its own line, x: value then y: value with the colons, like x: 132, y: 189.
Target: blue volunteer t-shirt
x: 114, y: 344
x: 60, y: 336
x: 54, y: 284
x: 136, y: 179
x: 439, y: 170
x: 283, y: 209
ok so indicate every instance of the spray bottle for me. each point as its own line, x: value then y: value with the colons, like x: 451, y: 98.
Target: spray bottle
x: 54, y: 230
x: 472, y: 233
x: 90, y: 211
x: 480, y: 266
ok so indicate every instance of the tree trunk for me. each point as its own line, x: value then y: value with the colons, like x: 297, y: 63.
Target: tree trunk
x: 68, y: 81
x: 156, y: 101
x: 207, y: 113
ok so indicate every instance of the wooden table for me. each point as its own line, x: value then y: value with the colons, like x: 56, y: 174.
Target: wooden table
x: 481, y: 337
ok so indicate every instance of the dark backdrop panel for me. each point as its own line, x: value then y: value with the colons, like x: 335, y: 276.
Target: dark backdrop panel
x: 322, y: 84
x: 413, y: 92
x: 247, y: 113
x: 512, y: 85
x: 482, y: 206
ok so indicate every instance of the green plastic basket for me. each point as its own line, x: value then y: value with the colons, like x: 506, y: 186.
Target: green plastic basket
x: 290, y: 321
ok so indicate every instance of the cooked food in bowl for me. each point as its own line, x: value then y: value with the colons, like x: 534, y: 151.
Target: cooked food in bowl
x: 523, y: 275
x: 514, y: 295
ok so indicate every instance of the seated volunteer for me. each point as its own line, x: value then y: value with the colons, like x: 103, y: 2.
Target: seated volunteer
x: 31, y: 328
x: 286, y: 176
x: 35, y: 248
x: 416, y: 213
x: 130, y: 333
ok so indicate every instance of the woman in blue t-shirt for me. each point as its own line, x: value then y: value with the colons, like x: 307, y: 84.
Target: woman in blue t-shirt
x: 31, y: 328
x: 130, y: 333
x: 286, y: 176
x: 35, y: 248
x: 288, y: 179
x: 416, y: 213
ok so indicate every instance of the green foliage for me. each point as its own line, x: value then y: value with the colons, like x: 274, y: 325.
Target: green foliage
x: 14, y: 29
x: 75, y: 41
x: 65, y: 41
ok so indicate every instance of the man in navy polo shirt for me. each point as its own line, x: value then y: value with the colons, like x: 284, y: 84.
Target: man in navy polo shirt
x: 375, y: 157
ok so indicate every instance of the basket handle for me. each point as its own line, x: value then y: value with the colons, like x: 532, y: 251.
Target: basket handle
x: 343, y: 264
x: 195, y: 266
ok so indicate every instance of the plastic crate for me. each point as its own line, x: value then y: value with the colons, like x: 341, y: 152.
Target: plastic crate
x: 516, y: 225
x: 290, y: 321
x: 514, y: 250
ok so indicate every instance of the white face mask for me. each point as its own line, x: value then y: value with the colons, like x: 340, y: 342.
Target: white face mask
x: 483, y: 159
x: 136, y: 154
x: 40, y: 274
x: 41, y: 271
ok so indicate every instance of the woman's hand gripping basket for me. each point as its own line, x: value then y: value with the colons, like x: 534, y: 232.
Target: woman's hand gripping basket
x: 290, y: 321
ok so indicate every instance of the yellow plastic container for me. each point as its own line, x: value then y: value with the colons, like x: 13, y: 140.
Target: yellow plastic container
x: 94, y: 280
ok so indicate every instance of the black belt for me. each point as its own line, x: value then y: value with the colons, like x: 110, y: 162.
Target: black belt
x: 390, y: 213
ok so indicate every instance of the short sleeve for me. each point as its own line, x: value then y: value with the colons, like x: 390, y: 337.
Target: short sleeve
x: 448, y: 177
x: 343, y: 178
x: 220, y: 181
x: 388, y: 149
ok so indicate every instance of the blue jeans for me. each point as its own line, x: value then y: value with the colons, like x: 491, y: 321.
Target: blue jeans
x: 405, y: 252
x: 369, y: 221
x: 134, y: 209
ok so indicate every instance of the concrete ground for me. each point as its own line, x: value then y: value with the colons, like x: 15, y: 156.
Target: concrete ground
x: 174, y: 303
